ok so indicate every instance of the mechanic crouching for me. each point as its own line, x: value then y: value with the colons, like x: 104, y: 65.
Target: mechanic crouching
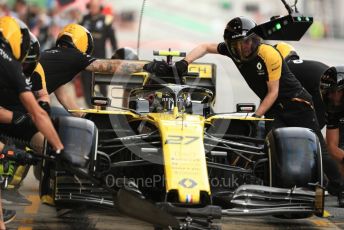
x: 324, y: 107
x: 332, y: 91
x: 282, y: 96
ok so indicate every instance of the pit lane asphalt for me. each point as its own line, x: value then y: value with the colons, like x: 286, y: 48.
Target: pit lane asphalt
x: 42, y: 217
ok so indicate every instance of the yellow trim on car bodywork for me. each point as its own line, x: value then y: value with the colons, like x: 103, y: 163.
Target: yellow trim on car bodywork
x: 110, y: 112
x: 204, y: 70
x: 169, y: 53
x: 236, y: 117
x: 183, y: 154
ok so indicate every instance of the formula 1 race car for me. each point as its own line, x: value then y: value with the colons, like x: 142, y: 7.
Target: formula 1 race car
x: 163, y: 156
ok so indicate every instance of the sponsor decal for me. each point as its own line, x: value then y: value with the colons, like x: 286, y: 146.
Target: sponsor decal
x: 52, y: 51
x: 259, y: 66
x: 260, y: 70
x: 5, y: 55
x: 299, y: 61
x: 188, y: 183
x: 28, y: 81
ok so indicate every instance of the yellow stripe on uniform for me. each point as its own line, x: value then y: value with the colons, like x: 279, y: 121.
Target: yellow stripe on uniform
x: 39, y: 70
x: 272, y: 60
x: 285, y: 49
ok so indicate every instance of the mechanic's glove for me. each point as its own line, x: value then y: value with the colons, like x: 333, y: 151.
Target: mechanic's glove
x: 256, y: 116
x: 19, y: 156
x: 159, y: 68
x: 45, y: 105
x: 182, y: 67
x: 21, y: 118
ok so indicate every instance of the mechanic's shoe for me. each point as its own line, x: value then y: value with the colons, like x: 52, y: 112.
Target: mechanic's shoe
x: 47, y: 199
x: 341, y: 199
x: 13, y: 196
x: 8, y: 215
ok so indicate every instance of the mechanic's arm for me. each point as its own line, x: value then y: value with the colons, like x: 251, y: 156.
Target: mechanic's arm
x: 332, y: 141
x: 118, y: 67
x: 2, y: 224
x: 273, y: 64
x: 5, y: 116
x: 41, y: 119
x: 201, y: 50
x: 42, y: 95
x: 269, y: 99
x: 66, y: 101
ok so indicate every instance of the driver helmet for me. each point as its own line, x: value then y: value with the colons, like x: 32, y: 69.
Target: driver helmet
x: 287, y: 51
x: 161, y: 102
x: 32, y: 58
x: 242, y: 43
x: 76, y: 36
x: 332, y: 89
x: 15, y: 34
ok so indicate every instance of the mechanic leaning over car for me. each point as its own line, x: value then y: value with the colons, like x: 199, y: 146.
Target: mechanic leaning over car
x: 14, y: 47
x: 308, y: 72
x: 72, y: 54
x: 268, y: 75
x: 332, y: 92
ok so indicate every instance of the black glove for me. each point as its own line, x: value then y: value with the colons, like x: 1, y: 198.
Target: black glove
x: 182, y: 67
x: 45, y: 105
x: 21, y: 118
x: 19, y: 156
x: 159, y: 68
x: 256, y: 116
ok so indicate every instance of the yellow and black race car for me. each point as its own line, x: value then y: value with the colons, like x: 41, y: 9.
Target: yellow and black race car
x: 168, y: 159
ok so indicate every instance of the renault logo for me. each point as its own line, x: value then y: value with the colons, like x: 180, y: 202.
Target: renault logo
x: 259, y: 66
x: 187, y: 183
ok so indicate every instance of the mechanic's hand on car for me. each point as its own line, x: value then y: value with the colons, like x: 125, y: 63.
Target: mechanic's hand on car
x: 159, y: 68
x: 182, y: 67
x: 21, y: 119
x: 256, y: 116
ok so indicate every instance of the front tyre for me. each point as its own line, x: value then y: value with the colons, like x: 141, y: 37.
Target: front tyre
x: 294, y: 159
